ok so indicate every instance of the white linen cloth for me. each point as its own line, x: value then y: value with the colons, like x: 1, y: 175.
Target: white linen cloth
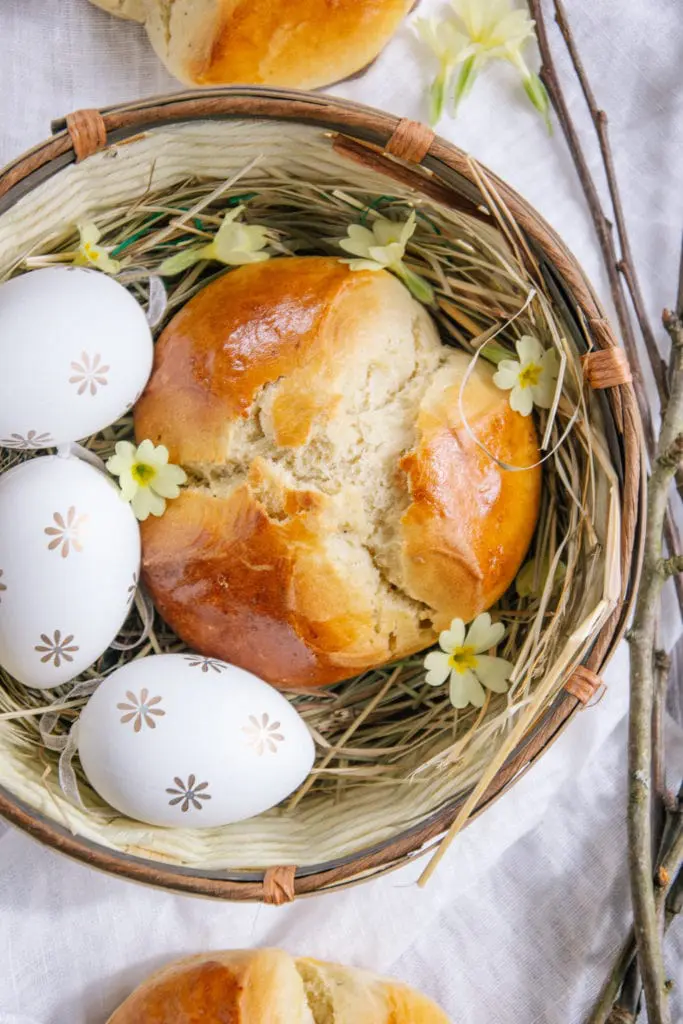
x: 525, y: 914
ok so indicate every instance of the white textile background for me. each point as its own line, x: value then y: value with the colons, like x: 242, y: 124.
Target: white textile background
x: 526, y: 912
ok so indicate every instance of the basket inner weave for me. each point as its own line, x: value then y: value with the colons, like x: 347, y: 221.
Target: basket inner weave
x: 391, y: 751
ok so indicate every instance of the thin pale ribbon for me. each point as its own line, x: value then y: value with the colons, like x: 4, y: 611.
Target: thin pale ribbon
x: 66, y: 744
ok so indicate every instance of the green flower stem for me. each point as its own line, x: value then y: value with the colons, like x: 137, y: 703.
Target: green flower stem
x: 465, y: 80
x: 437, y: 94
x: 416, y: 285
x: 495, y: 353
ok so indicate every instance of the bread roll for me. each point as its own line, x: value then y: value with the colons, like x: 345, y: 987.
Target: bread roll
x: 298, y: 43
x: 338, y: 514
x: 270, y: 987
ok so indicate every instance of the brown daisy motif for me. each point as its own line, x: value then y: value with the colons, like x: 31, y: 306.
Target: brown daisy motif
x: 140, y: 710
x: 188, y: 795
x: 32, y: 440
x: 3, y: 586
x: 263, y: 734
x: 66, y: 534
x: 206, y: 664
x: 90, y: 373
x: 57, y: 648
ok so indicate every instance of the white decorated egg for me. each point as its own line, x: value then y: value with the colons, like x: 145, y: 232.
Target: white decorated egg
x: 191, y: 742
x: 69, y: 562
x: 75, y: 353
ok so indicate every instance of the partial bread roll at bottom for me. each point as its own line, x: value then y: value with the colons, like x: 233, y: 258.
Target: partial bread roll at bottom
x: 268, y: 986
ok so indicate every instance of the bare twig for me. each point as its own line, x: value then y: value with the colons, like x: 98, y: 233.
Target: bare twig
x: 626, y: 264
x: 620, y: 268
x: 668, y: 899
x: 602, y: 225
x: 642, y: 641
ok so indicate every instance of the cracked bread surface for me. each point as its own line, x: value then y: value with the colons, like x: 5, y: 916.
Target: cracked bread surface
x: 268, y: 986
x: 338, y: 514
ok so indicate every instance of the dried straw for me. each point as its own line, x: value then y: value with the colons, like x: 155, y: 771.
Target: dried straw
x: 391, y: 750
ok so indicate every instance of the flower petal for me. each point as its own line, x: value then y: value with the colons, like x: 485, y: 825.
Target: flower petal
x: 363, y: 265
x: 476, y: 694
x: 493, y: 673
x: 387, y: 232
x: 482, y: 634
x: 145, y: 502
x: 529, y: 349
x: 168, y: 480
x: 507, y: 374
x: 438, y: 668
x: 465, y: 689
x: 452, y: 637
x: 521, y: 400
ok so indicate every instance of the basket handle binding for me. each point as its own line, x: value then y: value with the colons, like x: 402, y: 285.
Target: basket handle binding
x: 87, y: 131
x: 278, y: 885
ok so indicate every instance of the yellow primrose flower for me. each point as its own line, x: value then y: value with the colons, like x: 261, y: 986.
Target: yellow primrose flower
x: 528, y: 585
x: 91, y: 254
x: 532, y: 380
x: 484, y: 30
x: 383, y: 248
x: 462, y: 659
x: 234, y: 244
x: 447, y: 44
x: 145, y: 476
x: 497, y: 31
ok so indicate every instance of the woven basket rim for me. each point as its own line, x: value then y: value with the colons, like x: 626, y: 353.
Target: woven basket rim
x: 443, y: 164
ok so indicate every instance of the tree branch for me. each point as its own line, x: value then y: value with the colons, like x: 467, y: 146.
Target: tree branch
x: 642, y: 638
x: 668, y: 899
x: 626, y: 264
x: 614, y: 263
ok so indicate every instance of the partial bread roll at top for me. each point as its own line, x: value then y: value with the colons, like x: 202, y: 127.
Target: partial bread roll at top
x: 268, y: 986
x: 338, y: 514
x: 298, y: 43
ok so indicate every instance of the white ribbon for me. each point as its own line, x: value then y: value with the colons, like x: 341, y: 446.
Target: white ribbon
x: 67, y: 743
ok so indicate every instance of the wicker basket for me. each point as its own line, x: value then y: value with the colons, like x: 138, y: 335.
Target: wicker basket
x: 100, y: 159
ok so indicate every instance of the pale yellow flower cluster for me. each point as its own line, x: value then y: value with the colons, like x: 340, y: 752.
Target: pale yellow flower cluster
x: 480, y: 31
x: 383, y: 247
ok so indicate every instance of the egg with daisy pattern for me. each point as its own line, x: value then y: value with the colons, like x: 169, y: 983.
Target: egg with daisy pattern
x: 75, y: 353
x: 69, y: 565
x: 185, y: 741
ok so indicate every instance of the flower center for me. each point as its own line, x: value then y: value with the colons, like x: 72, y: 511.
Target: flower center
x: 143, y: 473
x: 529, y: 375
x: 463, y: 659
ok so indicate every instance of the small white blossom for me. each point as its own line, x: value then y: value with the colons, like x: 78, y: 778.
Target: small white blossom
x: 532, y: 380
x: 483, y: 30
x: 383, y: 248
x: 145, y: 476
x: 234, y: 244
x: 447, y: 44
x: 462, y: 659
x: 90, y: 254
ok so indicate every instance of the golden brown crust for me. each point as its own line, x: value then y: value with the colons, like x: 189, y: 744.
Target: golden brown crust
x: 248, y: 329
x: 233, y: 987
x: 339, y: 512
x: 296, y: 43
x: 270, y: 987
x: 264, y: 594
x: 470, y: 522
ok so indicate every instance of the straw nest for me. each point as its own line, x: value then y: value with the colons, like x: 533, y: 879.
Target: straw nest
x: 390, y: 749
